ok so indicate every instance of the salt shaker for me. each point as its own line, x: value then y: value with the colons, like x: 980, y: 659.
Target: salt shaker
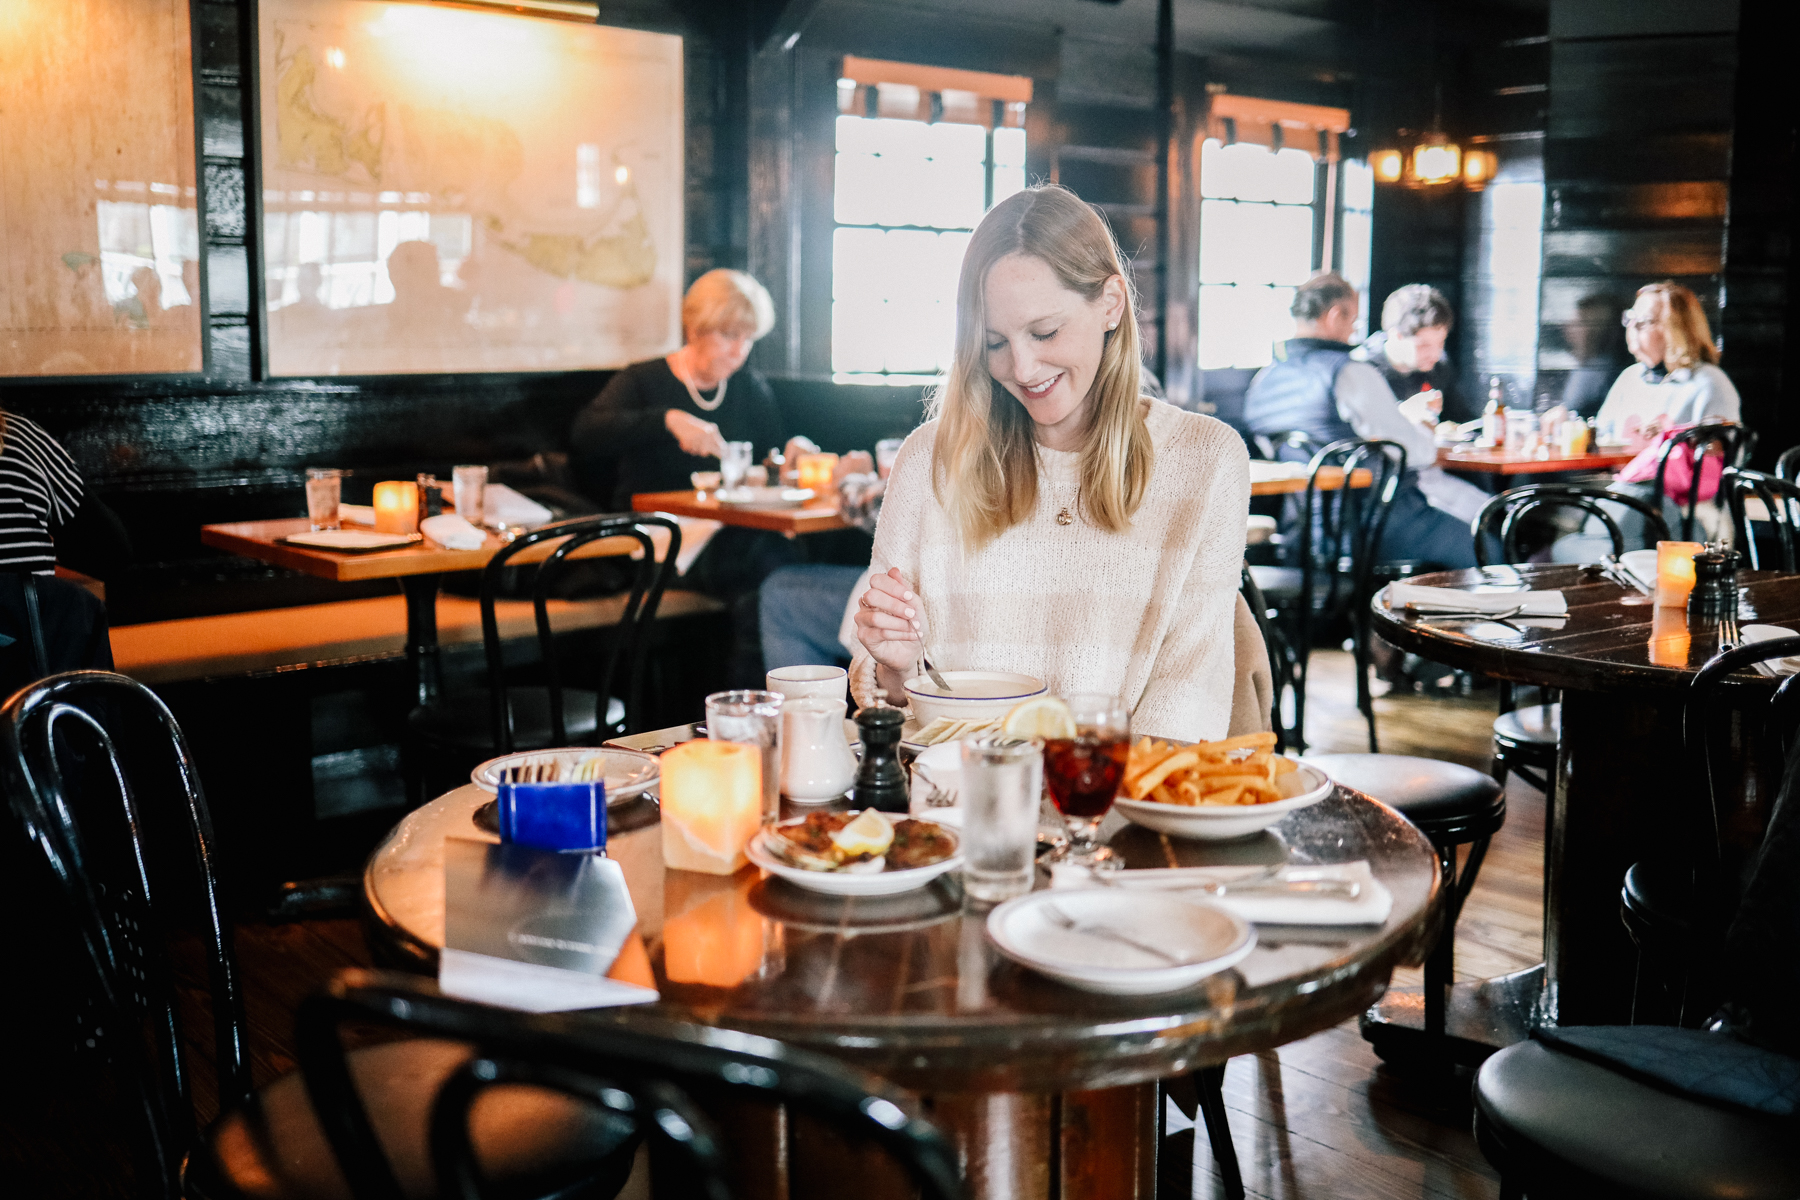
x: 880, y: 780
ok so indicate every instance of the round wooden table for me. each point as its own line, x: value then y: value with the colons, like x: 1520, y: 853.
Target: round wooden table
x: 1050, y: 1092
x: 1622, y: 777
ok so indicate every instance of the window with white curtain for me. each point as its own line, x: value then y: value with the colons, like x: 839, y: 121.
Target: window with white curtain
x: 907, y: 195
x: 1258, y: 226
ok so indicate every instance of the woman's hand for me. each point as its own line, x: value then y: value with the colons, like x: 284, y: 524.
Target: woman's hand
x: 887, y: 624
x: 697, y: 437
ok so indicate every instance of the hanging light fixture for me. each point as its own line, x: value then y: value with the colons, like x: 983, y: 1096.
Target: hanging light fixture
x: 1434, y: 160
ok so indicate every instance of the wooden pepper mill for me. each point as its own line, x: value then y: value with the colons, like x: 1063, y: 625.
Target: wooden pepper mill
x: 880, y: 780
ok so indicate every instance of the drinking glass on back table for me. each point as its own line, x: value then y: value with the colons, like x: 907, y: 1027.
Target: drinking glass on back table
x: 734, y: 462
x: 324, y: 489
x: 1083, y: 773
x: 469, y: 484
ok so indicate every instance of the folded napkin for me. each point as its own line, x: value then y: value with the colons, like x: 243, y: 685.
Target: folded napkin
x: 452, y: 532
x: 1432, y: 599
x: 1261, y: 907
x: 357, y: 514
x: 1641, y: 566
x: 501, y: 505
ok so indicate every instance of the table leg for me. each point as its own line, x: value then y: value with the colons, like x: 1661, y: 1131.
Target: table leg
x: 1003, y: 1141
x: 1108, y: 1144
x: 421, y: 593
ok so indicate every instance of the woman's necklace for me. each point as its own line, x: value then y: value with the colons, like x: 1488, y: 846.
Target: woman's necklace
x: 1066, y: 515
x: 702, y: 404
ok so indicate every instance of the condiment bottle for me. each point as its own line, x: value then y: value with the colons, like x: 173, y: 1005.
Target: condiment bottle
x: 880, y: 780
x: 1493, y: 417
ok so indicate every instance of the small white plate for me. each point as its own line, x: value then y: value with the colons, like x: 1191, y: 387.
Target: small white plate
x: 1208, y: 937
x: 627, y: 772
x: 1300, y: 788
x: 844, y: 883
x: 1774, y: 667
x: 763, y: 497
x: 351, y: 541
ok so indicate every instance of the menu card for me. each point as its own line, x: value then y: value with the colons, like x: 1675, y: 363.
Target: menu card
x: 539, y: 931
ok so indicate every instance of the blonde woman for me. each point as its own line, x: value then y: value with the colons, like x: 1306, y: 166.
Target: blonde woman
x: 1050, y: 519
x: 1676, y: 379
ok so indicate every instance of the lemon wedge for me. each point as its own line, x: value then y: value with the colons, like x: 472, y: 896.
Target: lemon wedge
x: 1042, y: 717
x: 870, y: 833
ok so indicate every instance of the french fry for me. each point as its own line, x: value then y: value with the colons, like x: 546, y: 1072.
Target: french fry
x: 1228, y: 795
x: 1149, y: 779
x: 1283, y: 765
x: 1233, y: 771
x: 1163, y: 794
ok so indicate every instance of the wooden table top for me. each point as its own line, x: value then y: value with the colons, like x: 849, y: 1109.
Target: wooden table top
x: 818, y: 515
x: 260, y: 540
x: 909, y: 987
x: 1498, y: 462
x: 1613, y: 637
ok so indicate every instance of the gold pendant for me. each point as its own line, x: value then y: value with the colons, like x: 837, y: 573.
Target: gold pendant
x: 1065, y: 517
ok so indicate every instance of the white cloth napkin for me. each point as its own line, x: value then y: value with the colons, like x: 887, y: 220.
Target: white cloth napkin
x: 452, y: 532
x: 1262, y: 908
x: 357, y: 514
x: 502, y: 506
x: 1641, y: 566
x: 1432, y: 599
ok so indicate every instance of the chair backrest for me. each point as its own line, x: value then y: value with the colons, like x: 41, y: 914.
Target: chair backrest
x: 48, y: 625
x: 98, y: 777
x: 1343, y: 526
x: 1788, y: 465
x: 1780, y: 500
x: 630, y: 640
x: 1500, y: 518
x: 659, y: 1075
x: 1722, y: 759
x: 1696, y: 444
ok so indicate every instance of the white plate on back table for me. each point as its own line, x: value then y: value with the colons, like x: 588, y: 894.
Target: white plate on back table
x: 763, y: 497
x: 627, y: 772
x: 1208, y: 937
x: 1300, y: 788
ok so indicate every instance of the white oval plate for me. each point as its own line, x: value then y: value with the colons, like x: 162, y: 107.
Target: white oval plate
x: 1209, y: 937
x: 627, y: 772
x: 843, y: 883
x: 763, y: 497
x: 1301, y: 788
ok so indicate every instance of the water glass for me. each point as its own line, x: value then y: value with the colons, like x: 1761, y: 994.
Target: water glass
x: 734, y: 462
x: 886, y: 451
x: 469, y: 492
x: 1002, y: 780
x: 324, y: 489
x: 751, y: 718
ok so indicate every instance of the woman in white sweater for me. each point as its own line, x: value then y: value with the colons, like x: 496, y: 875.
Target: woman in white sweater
x: 1049, y: 519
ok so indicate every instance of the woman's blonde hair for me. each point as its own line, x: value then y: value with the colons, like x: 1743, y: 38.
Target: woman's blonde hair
x: 1684, y: 325
x: 985, y: 451
x: 726, y: 301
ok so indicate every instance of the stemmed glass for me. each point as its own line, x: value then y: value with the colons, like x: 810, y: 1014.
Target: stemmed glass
x: 1083, y: 774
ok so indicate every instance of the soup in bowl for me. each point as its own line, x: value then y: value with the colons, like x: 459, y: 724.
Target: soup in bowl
x: 974, y: 695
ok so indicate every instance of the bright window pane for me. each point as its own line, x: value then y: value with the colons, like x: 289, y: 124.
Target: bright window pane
x: 1225, y: 249
x: 1359, y: 184
x: 1009, y: 148
x: 856, y: 334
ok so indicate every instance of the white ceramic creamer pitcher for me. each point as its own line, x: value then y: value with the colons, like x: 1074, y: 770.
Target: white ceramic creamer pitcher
x: 816, y: 761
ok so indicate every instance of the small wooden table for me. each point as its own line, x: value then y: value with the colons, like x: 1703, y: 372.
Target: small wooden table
x: 419, y: 568
x: 1499, y: 462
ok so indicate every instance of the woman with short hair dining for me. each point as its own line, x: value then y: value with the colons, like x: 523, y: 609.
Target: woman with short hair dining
x: 1050, y: 519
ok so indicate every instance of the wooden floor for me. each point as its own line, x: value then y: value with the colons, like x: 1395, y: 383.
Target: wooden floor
x: 1319, y: 1117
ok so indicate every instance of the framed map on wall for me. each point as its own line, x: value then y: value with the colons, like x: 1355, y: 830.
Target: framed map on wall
x: 451, y: 190
x: 99, y: 232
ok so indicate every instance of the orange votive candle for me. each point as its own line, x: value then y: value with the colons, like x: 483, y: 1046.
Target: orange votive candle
x: 1675, y: 572
x: 816, y: 470
x: 711, y: 805
x: 1669, y: 637
x: 397, y: 507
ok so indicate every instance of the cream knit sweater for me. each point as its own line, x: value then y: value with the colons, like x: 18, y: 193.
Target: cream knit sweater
x: 1145, y: 614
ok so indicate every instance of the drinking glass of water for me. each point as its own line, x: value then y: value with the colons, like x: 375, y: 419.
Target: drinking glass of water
x: 324, y: 489
x: 734, y: 462
x: 1002, y: 781
x: 470, y: 492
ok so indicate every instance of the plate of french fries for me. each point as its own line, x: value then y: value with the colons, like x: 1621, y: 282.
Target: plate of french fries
x: 1216, y: 790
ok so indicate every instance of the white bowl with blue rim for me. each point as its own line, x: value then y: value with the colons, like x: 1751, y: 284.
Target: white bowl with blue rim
x: 972, y: 696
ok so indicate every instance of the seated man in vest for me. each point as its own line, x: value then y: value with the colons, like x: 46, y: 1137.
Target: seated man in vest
x: 1314, y: 386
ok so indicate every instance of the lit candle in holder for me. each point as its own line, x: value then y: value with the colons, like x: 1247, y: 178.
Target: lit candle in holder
x: 1675, y: 572
x: 1669, y: 637
x: 397, y: 507
x: 815, y: 471
x: 711, y: 805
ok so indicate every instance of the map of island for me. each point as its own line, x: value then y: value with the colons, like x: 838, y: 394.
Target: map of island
x: 447, y: 190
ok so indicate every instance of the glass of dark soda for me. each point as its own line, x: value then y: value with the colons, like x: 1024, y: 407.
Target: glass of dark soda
x: 1083, y: 773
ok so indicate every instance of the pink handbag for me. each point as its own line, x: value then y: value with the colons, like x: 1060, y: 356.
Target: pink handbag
x: 1678, y: 477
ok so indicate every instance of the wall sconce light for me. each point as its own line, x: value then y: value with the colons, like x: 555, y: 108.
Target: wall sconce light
x: 1388, y: 165
x: 1434, y: 161
x: 1478, y: 168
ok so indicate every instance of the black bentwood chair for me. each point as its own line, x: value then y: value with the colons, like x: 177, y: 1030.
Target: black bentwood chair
x: 1788, y: 465
x: 120, y: 850
x: 1780, y: 503
x: 1336, y: 540
x: 464, y: 729
x: 48, y: 625
x: 1733, y: 443
x: 654, y: 1079
x: 1665, y: 1112
x: 1525, y: 740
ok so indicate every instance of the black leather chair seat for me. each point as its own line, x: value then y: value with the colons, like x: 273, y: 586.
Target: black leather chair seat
x: 531, y: 1142
x: 467, y: 720
x: 1663, y: 898
x: 1563, y: 1126
x: 1529, y: 726
x: 1279, y: 584
x: 1441, y: 798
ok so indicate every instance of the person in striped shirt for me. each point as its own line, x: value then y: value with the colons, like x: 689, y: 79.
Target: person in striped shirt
x: 40, y: 491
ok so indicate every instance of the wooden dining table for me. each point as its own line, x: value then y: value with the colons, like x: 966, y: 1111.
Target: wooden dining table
x: 1623, y: 776
x: 419, y: 568
x: 1048, y: 1092
x: 1474, y: 461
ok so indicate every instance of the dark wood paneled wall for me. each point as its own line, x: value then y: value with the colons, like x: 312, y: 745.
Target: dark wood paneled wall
x: 1637, y: 165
